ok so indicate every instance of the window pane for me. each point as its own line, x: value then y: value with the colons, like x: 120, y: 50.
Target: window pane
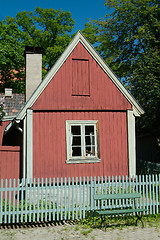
x: 76, y: 140
x: 76, y: 151
x: 89, y: 130
x: 90, y: 151
x: 75, y: 130
x: 89, y: 140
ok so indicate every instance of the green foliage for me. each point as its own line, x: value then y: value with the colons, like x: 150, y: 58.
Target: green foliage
x: 145, y: 167
x: 47, y: 28
x: 11, y: 54
x: 128, y: 39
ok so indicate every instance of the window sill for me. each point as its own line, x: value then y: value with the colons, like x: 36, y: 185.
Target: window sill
x: 83, y: 160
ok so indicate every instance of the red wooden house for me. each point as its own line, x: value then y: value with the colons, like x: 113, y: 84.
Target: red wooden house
x: 78, y: 121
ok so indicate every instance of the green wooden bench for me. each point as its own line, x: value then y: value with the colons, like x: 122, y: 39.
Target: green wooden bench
x: 117, y: 204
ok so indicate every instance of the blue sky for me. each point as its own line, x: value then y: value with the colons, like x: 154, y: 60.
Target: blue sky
x: 80, y: 10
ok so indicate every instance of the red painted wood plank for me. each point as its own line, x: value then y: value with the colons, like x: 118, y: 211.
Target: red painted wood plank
x: 49, y: 158
x: 3, y: 125
x: 9, y: 162
x: 103, y: 94
x: 80, y: 77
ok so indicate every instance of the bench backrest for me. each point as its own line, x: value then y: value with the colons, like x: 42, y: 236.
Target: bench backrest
x: 116, y: 196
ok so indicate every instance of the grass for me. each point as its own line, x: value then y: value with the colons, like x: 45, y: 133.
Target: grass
x: 152, y: 220
x: 77, y: 228
x: 85, y: 232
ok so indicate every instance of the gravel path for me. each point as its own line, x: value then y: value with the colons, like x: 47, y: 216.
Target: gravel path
x: 76, y: 231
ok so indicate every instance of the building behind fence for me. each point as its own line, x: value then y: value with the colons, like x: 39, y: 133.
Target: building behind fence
x: 69, y: 199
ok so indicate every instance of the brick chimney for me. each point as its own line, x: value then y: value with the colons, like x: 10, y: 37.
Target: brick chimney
x: 8, y: 92
x: 33, y: 61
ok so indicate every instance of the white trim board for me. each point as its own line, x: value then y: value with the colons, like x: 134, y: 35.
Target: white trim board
x: 29, y: 143
x: 131, y: 143
x: 79, y: 38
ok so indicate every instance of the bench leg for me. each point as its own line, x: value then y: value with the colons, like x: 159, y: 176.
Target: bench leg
x: 139, y: 218
x: 103, y: 219
x: 105, y: 222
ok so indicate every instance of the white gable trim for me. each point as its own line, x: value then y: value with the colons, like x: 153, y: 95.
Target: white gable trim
x: 79, y: 38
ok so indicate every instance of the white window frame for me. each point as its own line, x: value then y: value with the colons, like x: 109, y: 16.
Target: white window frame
x: 83, y: 158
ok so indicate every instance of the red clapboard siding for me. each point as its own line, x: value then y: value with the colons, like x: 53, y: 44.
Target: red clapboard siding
x: 9, y: 162
x: 101, y: 93
x: 49, y: 145
x: 2, y: 128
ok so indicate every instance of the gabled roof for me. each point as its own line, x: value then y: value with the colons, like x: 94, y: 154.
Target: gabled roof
x: 79, y: 38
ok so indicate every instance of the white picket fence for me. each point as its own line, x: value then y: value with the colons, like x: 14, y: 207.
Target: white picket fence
x: 41, y: 200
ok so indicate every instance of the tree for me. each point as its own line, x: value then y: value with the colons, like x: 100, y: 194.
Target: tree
x: 47, y: 28
x: 11, y: 55
x: 129, y: 40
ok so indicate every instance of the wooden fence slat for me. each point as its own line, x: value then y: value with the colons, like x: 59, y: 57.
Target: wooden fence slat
x: 84, y: 199
x: 97, y: 189
x: 143, y: 192
x: 50, y: 206
x: 72, y: 198
x: 61, y: 199
x: 150, y: 194
x: 80, y: 198
x: 5, y: 206
x: 153, y: 194
x: 30, y: 198
x: 34, y: 199
x: 119, y: 191
x: 18, y: 201
x: 147, y: 199
x: 89, y: 198
x: 69, y: 198
x: 14, y: 197
x: 58, y: 199
x: 9, y: 202
x: 116, y: 190
x: 105, y: 188
x: 54, y: 202
x: 123, y: 188
x: 46, y: 198
x: 41, y: 209
x: 38, y: 199
x: 109, y: 190
x: 65, y: 199
x: 156, y: 187
x: 1, y: 203
x: 76, y: 203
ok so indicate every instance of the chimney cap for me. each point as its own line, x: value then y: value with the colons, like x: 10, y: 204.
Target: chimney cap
x: 33, y: 50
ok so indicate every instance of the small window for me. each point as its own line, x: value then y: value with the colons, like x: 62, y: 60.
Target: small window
x: 82, y: 141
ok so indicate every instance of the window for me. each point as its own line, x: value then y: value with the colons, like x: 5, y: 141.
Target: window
x: 82, y: 141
